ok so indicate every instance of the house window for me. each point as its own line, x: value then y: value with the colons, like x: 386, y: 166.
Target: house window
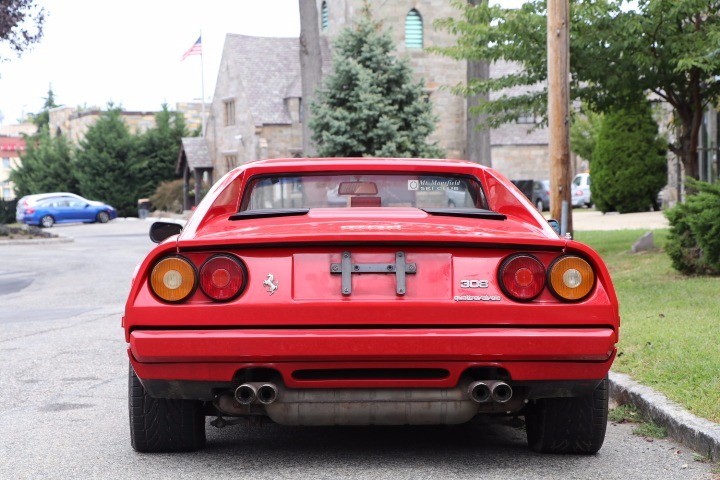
x: 7, y: 193
x: 229, y: 112
x: 6, y: 163
x: 527, y: 118
x: 413, y: 30
x: 324, y: 18
x: 230, y: 162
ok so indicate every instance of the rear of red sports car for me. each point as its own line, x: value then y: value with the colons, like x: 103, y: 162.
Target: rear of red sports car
x: 368, y: 292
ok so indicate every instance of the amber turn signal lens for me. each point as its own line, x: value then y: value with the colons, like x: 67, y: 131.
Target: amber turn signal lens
x: 571, y: 278
x: 173, y: 279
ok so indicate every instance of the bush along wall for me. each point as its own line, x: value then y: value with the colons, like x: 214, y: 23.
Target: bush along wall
x: 694, y: 240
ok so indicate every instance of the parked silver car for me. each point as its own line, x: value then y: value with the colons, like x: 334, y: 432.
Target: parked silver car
x: 581, y: 195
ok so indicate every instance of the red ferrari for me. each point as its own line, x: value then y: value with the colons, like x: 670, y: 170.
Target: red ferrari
x: 368, y: 292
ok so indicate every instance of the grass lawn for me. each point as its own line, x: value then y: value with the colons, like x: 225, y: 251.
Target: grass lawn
x: 670, y: 323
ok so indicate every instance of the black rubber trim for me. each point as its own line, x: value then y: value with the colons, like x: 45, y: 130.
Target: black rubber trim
x: 279, y: 212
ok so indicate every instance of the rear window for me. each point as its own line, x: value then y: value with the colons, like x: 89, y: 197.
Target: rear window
x: 363, y: 190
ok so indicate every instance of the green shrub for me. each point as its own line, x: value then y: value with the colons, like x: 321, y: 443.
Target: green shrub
x: 694, y: 240
x: 629, y: 166
x: 7, y: 211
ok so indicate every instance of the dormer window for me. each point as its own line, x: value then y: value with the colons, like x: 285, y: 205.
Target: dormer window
x: 413, y: 30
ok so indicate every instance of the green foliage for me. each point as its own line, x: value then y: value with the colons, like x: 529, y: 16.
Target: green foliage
x: 694, y: 240
x: 619, y: 51
x: 106, y: 164
x: 629, y: 164
x: 21, y: 24
x: 370, y: 106
x: 584, y: 132
x: 47, y: 166
x: 7, y: 211
x: 157, y: 151
x: 42, y: 119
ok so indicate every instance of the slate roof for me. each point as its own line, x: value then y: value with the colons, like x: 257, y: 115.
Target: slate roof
x: 269, y: 69
x: 195, y: 150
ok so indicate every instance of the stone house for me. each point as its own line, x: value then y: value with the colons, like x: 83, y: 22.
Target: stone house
x: 255, y: 111
x: 74, y: 123
x: 256, y: 108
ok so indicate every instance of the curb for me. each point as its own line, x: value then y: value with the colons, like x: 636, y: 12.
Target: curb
x: 699, y: 434
x: 36, y: 241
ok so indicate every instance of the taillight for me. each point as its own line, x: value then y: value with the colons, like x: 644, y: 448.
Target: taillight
x: 571, y: 278
x: 222, y: 278
x: 29, y: 211
x: 522, y: 277
x: 173, y: 279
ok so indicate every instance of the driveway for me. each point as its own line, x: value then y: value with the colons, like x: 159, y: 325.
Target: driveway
x: 587, y: 219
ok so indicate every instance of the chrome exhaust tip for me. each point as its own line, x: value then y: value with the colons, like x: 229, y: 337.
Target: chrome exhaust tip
x: 246, y: 394
x: 479, y: 391
x: 502, y: 392
x: 267, y: 393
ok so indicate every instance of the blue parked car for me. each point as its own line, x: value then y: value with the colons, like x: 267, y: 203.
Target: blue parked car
x: 48, y: 211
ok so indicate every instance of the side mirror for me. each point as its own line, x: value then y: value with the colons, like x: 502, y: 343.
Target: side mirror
x: 159, y: 231
x: 555, y: 225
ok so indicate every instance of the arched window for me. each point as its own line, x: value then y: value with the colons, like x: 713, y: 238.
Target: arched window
x: 413, y: 30
x: 324, y: 16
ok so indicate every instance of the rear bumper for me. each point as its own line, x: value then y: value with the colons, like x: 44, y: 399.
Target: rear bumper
x: 527, y: 354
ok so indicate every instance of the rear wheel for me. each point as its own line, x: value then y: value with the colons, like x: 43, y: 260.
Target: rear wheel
x: 540, y: 206
x: 161, y: 424
x: 103, y: 217
x: 569, y: 425
x: 47, y: 221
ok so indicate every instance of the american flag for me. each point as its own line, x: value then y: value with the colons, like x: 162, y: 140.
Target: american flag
x: 196, y: 49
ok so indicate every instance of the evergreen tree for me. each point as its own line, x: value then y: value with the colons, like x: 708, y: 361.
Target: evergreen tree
x: 157, y: 151
x: 42, y: 119
x: 47, y: 166
x: 370, y: 105
x: 107, y: 167
x: 629, y: 162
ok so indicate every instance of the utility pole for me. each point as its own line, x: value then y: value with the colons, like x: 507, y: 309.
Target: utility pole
x: 310, y: 68
x: 558, y: 45
x: 478, y: 134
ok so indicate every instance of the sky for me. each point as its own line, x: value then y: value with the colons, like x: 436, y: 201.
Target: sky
x: 128, y: 51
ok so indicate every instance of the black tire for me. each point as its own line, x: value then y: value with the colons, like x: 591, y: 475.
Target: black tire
x: 47, y: 221
x: 103, y: 217
x: 569, y: 425
x: 162, y: 424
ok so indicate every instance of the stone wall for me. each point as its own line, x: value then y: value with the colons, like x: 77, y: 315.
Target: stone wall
x: 436, y: 71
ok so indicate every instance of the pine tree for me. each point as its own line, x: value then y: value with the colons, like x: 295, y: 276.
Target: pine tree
x: 157, y: 151
x: 629, y: 165
x: 370, y: 105
x: 107, y: 167
x: 47, y: 166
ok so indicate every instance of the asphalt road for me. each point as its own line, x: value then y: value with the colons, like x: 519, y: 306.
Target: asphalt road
x: 63, y: 397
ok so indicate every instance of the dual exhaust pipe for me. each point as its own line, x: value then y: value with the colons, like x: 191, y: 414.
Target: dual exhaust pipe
x: 484, y: 391
x: 481, y: 391
x: 265, y: 393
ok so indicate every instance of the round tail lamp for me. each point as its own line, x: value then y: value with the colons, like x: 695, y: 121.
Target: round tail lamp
x: 173, y: 279
x: 571, y: 278
x: 222, y: 278
x: 522, y: 277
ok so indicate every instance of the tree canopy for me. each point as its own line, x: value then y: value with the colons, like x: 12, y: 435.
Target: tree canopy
x: 21, y: 24
x: 370, y: 105
x: 619, y: 51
